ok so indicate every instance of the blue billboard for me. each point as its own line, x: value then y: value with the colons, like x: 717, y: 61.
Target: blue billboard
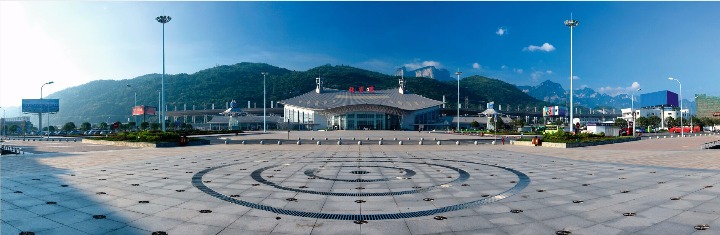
x: 40, y: 105
x: 659, y: 98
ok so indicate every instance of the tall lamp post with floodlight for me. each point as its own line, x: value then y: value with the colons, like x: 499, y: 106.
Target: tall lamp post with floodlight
x: 134, y: 117
x: 264, y: 107
x: 682, y: 128
x: 40, y: 114
x: 458, y: 73
x: 163, y: 20
x: 632, y: 109
x: 572, y: 24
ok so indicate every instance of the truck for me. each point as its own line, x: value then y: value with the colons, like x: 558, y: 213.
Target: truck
x: 685, y: 129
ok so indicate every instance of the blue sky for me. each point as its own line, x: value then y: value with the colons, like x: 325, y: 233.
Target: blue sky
x: 618, y: 46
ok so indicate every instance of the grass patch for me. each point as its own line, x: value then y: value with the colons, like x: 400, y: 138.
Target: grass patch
x: 567, y: 137
x: 143, y: 136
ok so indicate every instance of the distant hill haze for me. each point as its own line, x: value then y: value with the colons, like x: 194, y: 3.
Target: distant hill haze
x: 111, y: 100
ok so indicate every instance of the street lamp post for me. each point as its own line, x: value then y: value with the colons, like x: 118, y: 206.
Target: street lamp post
x: 264, y: 106
x: 163, y: 20
x: 134, y: 117
x: 458, y: 73
x: 632, y: 109
x: 572, y: 24
x: 682, y: 128
x: 40, y: 114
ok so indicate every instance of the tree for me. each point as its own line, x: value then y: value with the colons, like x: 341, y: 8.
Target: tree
x: 621, y: 122
x: 14, y: 129
x: 103, y: 125
x: 654, y: 121
x: 671, y: 122
x: 85, y: 126
x: 475, y: 124
x: 144, y: 125
x: 131, y: 125
x: 69, y: 126
x: 155, y: 126
x: 642, y: 122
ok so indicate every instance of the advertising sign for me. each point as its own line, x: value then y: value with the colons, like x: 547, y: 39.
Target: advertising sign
x: 491, y: 105
x: 40, y: 105
x: 551, y: 111
x: 143, y: 110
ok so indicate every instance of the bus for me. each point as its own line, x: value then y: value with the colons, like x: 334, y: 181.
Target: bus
x: 549, y: 129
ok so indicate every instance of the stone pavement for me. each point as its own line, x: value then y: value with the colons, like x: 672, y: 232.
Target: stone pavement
x: 653, y: 186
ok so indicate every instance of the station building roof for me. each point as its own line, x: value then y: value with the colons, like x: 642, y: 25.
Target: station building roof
x: 332, y: 98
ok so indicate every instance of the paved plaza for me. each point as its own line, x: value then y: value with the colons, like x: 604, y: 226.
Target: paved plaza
x: 651, y: 186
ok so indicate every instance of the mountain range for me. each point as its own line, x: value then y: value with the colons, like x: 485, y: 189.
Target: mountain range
x: 111, y: 100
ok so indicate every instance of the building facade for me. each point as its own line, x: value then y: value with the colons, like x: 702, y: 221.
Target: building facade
x: 361, y: 109
x: 707, y: 106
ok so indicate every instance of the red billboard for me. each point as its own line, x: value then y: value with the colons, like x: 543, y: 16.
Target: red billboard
x: 143, y: 110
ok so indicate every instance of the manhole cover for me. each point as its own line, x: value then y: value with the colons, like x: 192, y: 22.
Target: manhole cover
x: 143, y: 201
x: 440, y: 217
x: 485, y: 195
x: 416, y: 187
x: 135, y: 184
x: 428, y: 199
x: 464, y: 185
x: 359, y: 201
x: 64, y: 185
x: 563, y: 232
x: 51, y: 203
x: 629, y: 214
x: 625, y: 191
x: 578, y: 201
x: 205, y: 211
x: 99, y: 217
x: 159, y: 233
x: 708, y: 186
x: 27, y: 233
x: 255, y: 184
x: 180, y: 190
x: 359, y: 188
x: 541, y: 190
x: 234, y: 195
x: 18, y: 192
x: 277, y: 218
x: 207, y: 181
x: 292, y: 199
x: 702, y: 227
x: 360, y: 221
x: 100, y: 193
x: 303, y: 186
x: 359, y: 172
x: 675, y: 198
x: 516, y: 211
x: 102, y: 179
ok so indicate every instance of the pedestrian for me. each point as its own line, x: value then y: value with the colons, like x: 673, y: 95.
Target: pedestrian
x: 503, y: 140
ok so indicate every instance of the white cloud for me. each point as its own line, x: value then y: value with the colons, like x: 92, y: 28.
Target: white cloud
x: 476, y: 66
x: 417, y: 65
x: 536, y: 75
x: 501, y: 31
x: 518, y: 71
x: 546, y: 47
x: 503, y: 67
x: 575, y: 77
x: 549, y: 72
x: 613, y: 91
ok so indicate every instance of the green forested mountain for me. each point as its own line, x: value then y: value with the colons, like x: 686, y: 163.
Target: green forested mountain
x: 111, y: 100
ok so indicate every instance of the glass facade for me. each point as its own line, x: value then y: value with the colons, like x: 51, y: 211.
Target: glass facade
x: 364, y: 121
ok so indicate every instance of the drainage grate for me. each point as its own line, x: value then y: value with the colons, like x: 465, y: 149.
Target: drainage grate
x: 563, y: 232
x: 51, y: 203
x: 625, y: 191
x: 135, y: 184
x: 360, y: 221
x: 64, y: 185
x: 485, y: 195
x: 27, y: 233
x: 629, y: 214
x: 708, y: 186
x: 159, y: 233
x: 234, y: 195
x: 440, y: 217
x: 578, y: 201
x: 675, y: 198
x: 18, y: 192
x: 360, y: 201
x: 205, y: 211
x: 585, y: 184
x: 179, y: 190
x: 303, y: 186
x: 359, y: 188
x: 99, y: 217
x: 292, y: 199
x: 428, y: 199
x: 143, y: 202
x: 541, y: 190
x: 702, y: 227
x: 516, y: 211
x: 100, y: 193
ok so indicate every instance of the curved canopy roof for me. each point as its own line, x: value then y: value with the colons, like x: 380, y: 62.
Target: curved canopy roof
x: 331, y: 98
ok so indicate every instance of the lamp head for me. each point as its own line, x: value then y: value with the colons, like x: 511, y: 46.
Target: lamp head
x: 128, y: 85
x: 163, y: 19
x: 639, y: 89
x: 572, y: 23
x: 50, y: 82
x: 670, y: 78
